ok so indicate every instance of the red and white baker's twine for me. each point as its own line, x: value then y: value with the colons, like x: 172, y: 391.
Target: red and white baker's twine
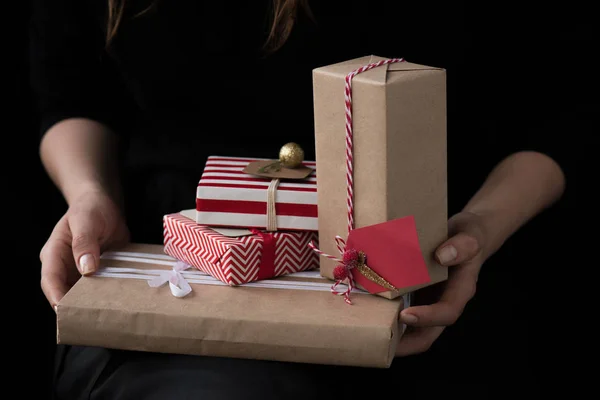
x: 349, y: 134
x: 341, y: 244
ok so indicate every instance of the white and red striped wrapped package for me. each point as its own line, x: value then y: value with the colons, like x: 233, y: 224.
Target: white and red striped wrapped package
x: 238, y: 260
x: 229, y: 197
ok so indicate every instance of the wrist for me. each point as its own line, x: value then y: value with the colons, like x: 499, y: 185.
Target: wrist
x: 79, y: 155
x: 89, y: 186
x: 493, y: 228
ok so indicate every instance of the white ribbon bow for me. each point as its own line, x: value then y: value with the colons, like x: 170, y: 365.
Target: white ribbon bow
x: 179, y: 285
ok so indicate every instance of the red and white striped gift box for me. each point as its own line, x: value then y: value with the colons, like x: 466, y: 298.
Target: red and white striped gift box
x: 228, y: 197
x: 237, y: 260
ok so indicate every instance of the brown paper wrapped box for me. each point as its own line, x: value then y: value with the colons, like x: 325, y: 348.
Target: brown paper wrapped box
x: 265, y: 320
x: 399, y: 135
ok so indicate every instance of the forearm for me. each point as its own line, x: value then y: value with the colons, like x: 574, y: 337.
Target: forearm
x: 519, y: 188
x: 81, y: 155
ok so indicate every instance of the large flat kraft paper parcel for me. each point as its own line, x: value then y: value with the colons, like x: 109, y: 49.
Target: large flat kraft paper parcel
x: 264, y: 320
x: 399, y: 134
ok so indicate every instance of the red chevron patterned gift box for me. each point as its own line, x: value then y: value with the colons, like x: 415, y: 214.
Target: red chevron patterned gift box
x: 229, y: 197
x: 235, y: 260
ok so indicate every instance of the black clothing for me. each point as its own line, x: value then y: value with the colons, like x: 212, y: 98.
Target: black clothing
x: 187, y: 79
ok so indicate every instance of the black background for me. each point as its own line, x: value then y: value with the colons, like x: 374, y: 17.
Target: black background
x: 508, y: 334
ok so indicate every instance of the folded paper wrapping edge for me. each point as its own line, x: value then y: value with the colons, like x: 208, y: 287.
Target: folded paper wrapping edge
x: 75, y: 324
x: 84, y: 318
x: 112, y: 328
x: 377, y: 75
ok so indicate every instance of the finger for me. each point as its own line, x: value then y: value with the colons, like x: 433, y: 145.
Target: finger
x: 54, y: 270
x: 438, y: 314
x: 85, y: 231
x: 417, y: 341
x: 458, y: 249
x: 54, y: 289
x: 460, y: 288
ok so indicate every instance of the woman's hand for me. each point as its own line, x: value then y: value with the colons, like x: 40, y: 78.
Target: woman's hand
x: 519, y: 188
x: 92, y: 223
x: 463, y: 253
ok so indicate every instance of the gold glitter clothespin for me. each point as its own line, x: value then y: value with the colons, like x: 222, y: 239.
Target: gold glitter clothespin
x: 371, y: 275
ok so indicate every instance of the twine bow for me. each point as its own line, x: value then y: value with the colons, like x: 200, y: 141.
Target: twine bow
x: 343, y: 271
x: 178, y: 284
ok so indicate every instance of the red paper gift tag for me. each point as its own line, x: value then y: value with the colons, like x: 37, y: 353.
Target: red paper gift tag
x: 392, y: 251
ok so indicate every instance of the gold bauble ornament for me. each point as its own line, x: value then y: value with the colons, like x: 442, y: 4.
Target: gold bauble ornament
x: 291, y: 155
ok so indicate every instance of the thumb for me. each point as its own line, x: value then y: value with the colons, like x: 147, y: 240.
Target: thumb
x: 85, y: 231
x: 458, y: 249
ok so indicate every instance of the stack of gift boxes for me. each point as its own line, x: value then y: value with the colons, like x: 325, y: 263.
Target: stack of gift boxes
x: 229, y: 236
x: 380, y: 134
x: 368, y: 214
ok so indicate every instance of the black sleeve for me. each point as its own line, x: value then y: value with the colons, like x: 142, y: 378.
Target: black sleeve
x: 70, y: 72
x: 524, y: 84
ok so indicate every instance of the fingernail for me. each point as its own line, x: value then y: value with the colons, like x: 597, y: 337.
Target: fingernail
x: 87, y: 264
x: 447, y: 254
x: 409, y: 318
x: 55, y: 309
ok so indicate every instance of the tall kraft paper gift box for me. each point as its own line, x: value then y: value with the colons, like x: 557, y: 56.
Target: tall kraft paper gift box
x: 399, y: 153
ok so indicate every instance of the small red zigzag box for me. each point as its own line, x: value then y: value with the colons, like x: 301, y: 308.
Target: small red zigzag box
x: 238, y: 260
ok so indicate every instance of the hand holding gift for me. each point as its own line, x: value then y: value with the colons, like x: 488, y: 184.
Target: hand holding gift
x: 92, y: 223
x: 463, y: 253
